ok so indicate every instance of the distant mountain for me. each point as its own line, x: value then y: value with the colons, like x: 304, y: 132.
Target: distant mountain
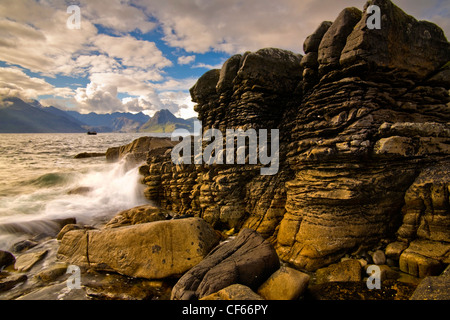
x: 164, y: 121
x: 17, y: 116
x: 111, y: 122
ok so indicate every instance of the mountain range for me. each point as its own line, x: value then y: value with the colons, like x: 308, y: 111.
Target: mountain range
x: 18, y: 116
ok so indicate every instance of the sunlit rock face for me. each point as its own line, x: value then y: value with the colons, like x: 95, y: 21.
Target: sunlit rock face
x: 364, y: 143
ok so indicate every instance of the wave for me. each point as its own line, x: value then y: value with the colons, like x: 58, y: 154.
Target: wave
x: 50, y: 180
x: 106, y: 190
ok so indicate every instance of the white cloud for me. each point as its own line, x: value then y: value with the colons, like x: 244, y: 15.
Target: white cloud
x: 208, y: 66
x: 132, y: 52
x: 236, y: 26
x: 186, y: 59
x: 15, y: 82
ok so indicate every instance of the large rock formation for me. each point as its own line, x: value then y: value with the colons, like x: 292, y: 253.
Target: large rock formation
x: 364, y: 143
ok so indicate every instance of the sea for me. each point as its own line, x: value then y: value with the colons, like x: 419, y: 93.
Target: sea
x: 38, y: 176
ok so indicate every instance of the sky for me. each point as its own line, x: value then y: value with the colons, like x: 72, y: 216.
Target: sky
x: 144, y: 55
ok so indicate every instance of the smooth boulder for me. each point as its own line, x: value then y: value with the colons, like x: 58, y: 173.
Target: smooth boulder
x: 248, y: 259
x: 152, y: 250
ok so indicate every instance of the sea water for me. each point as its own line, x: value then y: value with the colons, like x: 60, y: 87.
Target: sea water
x: 38, y: 171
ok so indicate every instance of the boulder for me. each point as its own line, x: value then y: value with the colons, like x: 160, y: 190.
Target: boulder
x: 345, y: 271
x: 414, y: 48
x: 85, y: 155
x: 284, y: 284
x: 234, y: 292
x: 425, y: 258
x: 6, y: 259
x: 433, y: 288
x: 248, y: 260
x: 334, y: 40
x: 137, y: 215
x: 153, y: 250
x: 11, y: 280
x: 26, y: 261
x: 136, y: 151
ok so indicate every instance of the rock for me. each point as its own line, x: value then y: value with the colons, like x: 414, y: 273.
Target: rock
x: 349, y: 270
x: 136, y: 151
x: 112, y: 154
x: 85, y: 155
x: 378, y: 257
x: 26, y: 261
x: 23, y: 245
x: 312, y: 42
x: 52, y: 273
x: 284, y: 284
x: 70, y: 227
x: 387, y: 273
x: 248, y: 260
x: 152, y: 250
x: 80, y: 190
x: 335, y: 38
x: 6, y: 259
x: 137, y: 215
x: 404, y: 44
x: 433, y: 288
x: 119, y: 287
x: 395, y: 249
x: 205, y: 86
x: 364, y: 144
x: 425, y: 258
x: 391, y: 290
x: 8, y: 282
x: 234, y: 292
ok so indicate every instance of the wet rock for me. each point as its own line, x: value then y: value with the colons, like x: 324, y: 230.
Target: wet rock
x: 52, y: 273
x: 6, y: 259
x: 80, y: 190
x: 248, y: 259
x: 391, y: 290
x: 10, y: 280
x: 26, y: 261
x: 119, y: 287
x: 85, y: 155
x: 23, y: 245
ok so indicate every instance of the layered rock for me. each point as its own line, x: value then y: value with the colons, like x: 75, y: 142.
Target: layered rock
x: 364, y: 122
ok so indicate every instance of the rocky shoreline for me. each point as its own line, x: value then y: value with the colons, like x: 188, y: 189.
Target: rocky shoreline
x: 363, y: 181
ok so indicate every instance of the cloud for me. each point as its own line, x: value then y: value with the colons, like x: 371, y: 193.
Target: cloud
x: 132, y: 52
x: 186, y: 59
x: 208, y: 66
x: 117, y: 15
x: 236, y: 26
x: 15, y: 82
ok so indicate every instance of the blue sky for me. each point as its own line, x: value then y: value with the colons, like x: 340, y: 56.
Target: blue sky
x: 144, y: 55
